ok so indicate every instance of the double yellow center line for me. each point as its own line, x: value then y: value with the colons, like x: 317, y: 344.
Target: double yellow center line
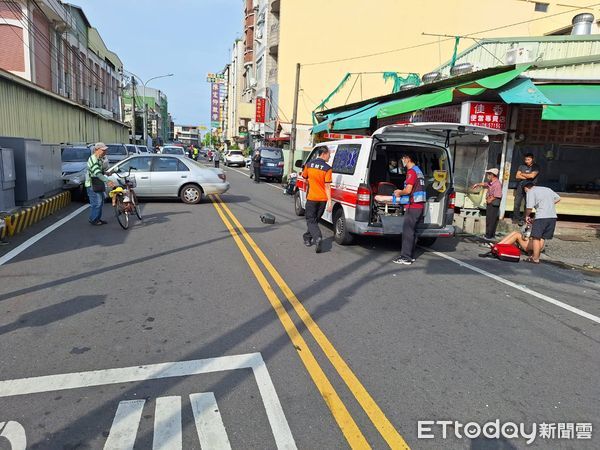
x: 348, y: 426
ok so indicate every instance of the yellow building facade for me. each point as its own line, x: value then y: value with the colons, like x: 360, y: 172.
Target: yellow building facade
x: 329, y: 37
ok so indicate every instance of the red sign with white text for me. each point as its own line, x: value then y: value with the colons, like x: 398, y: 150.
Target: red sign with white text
x: 486, y: 114
x: 260, y: 110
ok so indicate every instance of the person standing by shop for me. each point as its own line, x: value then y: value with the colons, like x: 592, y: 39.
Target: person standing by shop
x: 492, y: 200
x: 415, y: 198
x: 95, y: 183
x: 216, y: 158
x: 528, y: 172
x: 318, y: 174
x: 544, y: 201
x: 256, y: 165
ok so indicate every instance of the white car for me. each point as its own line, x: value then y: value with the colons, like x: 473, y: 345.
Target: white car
x: 366, y: 172
x: 171, y: 176
x: 172, y: 150
x: 235, y: 158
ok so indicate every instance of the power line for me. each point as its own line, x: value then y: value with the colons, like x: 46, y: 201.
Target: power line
x: 445, y: 40
x: 41, y: 39
x: 76, y: 54
x: 25, y: 44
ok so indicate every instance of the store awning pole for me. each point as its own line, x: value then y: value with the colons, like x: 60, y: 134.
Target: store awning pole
x: 507, y: 156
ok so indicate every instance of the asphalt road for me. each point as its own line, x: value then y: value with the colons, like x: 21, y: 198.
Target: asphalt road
x: 195, y: 302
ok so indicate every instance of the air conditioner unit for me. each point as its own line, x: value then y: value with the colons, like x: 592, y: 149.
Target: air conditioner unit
x: 518, y: 55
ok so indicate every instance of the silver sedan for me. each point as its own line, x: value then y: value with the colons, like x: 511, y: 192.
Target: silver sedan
x: 171, y: 176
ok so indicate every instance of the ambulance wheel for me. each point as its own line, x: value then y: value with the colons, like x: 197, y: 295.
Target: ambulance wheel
x: 341, y: 234
x: 298, y: 205
x: 427, y: 241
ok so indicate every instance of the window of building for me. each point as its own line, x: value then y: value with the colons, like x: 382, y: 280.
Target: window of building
x: 541, y: 7
x: 259, y: 67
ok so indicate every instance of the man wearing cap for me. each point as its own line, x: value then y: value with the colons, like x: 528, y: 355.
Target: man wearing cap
x: 492, y: 200
x: 95, y: 176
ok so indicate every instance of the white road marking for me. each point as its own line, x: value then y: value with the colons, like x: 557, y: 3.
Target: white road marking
x: 531, y: 292
x: 167, y: 424
x: 14, y: 433
x: 275, y: 415
x: 32, y: 240
x: 209, y: 424
x: 248, y: 175
x: 125, y: 425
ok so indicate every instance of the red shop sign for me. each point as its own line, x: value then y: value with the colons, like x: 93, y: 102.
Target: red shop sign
x: 485, y: 114
x: 260, y: 110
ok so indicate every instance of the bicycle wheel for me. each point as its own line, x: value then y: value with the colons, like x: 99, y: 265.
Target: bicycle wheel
x: 122, y: 215
x: 136, y: 205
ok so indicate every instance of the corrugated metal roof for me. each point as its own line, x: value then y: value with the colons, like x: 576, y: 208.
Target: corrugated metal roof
x: 28, y: 111
x: 544, y: 49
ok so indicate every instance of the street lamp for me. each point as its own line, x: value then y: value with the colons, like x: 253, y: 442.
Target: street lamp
x: 146, y: 104
x: 145, y: 117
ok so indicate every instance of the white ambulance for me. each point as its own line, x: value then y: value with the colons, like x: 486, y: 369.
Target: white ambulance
x: 367, y: 170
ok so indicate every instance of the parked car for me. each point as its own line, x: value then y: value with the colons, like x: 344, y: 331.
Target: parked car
x: 74, y: 167
x: 116, y: 152
x: 172, y: 150
x: 364, y: 168
x: 132, y: 149
x: 142, y: 149
x: 172, y: 176
x: 235, y: 158
x: 271, y: 164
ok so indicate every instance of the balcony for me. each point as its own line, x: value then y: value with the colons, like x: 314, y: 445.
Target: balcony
x: 276, y: 6
x: 272, y: 76
x: 273, y: 39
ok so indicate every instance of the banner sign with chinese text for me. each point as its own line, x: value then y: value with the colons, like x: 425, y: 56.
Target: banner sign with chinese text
x: 260, y: 110
x: 485, y: 114
x: 215, y: 104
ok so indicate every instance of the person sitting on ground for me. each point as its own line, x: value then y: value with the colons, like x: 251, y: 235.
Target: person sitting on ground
x: 522, y: 240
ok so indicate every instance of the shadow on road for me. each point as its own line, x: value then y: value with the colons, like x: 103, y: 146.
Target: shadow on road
x: 54, y: 313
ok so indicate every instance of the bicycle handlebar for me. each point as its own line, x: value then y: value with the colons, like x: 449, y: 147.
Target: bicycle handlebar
x: 124, y: 176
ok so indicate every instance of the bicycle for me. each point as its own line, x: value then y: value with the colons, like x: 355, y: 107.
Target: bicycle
x: 125, y: 201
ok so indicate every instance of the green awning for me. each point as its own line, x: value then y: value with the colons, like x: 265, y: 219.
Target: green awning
x: 360, y: 118
x: 571, y: 101
x: 334, y: 117
x: 321, y: 126
x: 524, y: 92
x: 357, y: 121
x: 572, y: 94
x: 415, y: 103
x: 571, y: 112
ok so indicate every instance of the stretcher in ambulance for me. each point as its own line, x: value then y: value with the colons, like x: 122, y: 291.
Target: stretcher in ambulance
x: 366, y: 171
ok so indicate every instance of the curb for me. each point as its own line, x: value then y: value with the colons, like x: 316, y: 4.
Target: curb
x: 19, y: 221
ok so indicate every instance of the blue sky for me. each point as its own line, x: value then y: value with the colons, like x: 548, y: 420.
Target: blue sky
x: 186, y: 37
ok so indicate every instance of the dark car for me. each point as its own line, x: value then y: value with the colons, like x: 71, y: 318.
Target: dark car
x: 271, y: 164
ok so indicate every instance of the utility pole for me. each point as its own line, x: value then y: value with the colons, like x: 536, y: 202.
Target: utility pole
x: 294, y: 121
x: 145, y: 116
x: 133, y: 107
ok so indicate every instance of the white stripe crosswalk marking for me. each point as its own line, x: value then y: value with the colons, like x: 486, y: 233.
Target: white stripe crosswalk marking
x: 125, y: 425
x: 209, y: 424
x: 167, y: 424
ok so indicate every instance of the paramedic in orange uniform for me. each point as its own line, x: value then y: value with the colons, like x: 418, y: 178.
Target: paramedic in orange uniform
x: 317, y: 174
